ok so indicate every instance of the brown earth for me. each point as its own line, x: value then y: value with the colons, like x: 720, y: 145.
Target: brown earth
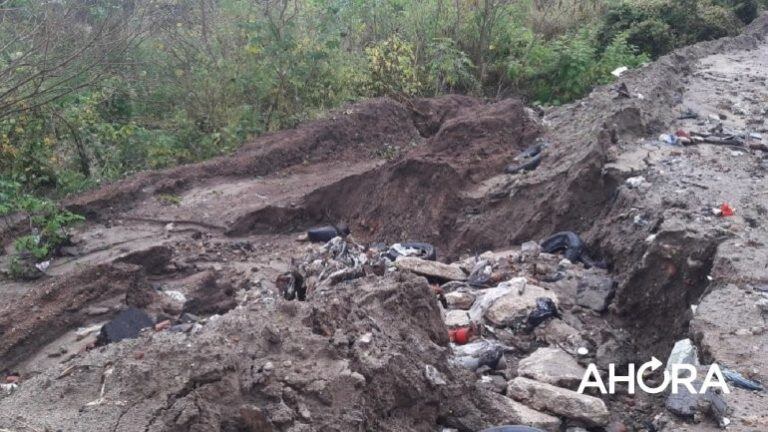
x: 220, y: 232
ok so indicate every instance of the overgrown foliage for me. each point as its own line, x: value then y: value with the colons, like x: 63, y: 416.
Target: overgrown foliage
x: 46, y: 222
x: 93, y: 91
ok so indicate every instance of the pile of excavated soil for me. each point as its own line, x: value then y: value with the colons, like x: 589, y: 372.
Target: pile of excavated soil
x: 199, y: 248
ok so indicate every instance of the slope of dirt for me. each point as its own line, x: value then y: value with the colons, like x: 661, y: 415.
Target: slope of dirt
x: 214, y: 239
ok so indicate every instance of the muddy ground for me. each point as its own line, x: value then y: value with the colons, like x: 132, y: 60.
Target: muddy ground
x: 373, y: 352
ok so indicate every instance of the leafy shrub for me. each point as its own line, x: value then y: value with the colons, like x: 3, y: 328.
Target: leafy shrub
x: 568, y: 67
x: 48, y: 224
x: 658, y: 26
x: 392, y: 68
x: 450, y: 69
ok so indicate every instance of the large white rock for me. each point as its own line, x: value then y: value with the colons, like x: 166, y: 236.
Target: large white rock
x: 557, y: 400
x: 459, y: 300
x: 430, y: 268
x: 515, y: 306
x: 553, y: 366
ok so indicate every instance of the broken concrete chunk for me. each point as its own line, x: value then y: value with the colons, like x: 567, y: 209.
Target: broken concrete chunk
x: 595, y: 292
x: 517, y: 413
x: 515, y: 307
x: 557, y: 400
x: 459, y: 300
x: 430, y: 268
x: 457, y: 318
x: 553, y: 366
x: 684, y: 352
x: 125, y: 326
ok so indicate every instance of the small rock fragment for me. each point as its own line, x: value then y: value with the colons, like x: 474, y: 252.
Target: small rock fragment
x: 459, y: 300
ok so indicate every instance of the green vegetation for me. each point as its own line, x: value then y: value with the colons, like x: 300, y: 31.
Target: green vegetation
x: 46, y: 222
x: 93, y: 91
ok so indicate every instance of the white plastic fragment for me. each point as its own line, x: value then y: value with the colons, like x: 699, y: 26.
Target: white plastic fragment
x: 619, y: 70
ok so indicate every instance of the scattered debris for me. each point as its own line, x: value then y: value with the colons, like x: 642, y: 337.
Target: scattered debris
x: 326, y: 233
x: 126, y: 325
x: 476, y: 354
x: 461, y: 336
x: 529, y: 165
x: 619, y: 71
x: 431, y: 269
x: 545, y: 309
x: 572, y: 247
x: 412, y: 249
x: 739, y: 380
x: 726, y: 210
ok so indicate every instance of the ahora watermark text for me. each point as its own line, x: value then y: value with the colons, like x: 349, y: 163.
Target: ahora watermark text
x: 676, y: 377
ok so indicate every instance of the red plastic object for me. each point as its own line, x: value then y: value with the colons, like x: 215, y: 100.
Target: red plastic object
x: 726, y: 210
x: 460, y: 336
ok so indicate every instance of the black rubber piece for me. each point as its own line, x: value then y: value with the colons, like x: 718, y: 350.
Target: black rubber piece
x: 428, y: 252
x: 528, y: 165
x: 511, y: 428
x: 326, y: 233
x: 530, y: 152
x: 545, y: 309
x: 567, y: 242
x: 126, y: 325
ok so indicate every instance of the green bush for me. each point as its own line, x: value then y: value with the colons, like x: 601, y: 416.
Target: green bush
x: 567, y: 68
x: 658, y: 26
x: 204, y: 78
x: 48, y: 224
x: 393, y: 69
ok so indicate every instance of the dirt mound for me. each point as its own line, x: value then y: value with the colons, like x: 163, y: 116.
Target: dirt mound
x: 351, y: 359
x: 352, y: 133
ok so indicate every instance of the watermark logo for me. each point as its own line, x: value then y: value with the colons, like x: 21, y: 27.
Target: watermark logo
x: 676, y: 377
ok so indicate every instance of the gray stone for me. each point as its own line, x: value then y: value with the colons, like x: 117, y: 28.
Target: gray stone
x: 494, y: 383
x: 530, y: 249
x: 515, y: 306
x: 518, y: 413
x: 559, y: 333
x: 459, y: 300
x: 684, y: 352
x: 557, y: 400
x: 595, y: 292
x: 687, y: 405
x: 430, y: 268
x: 553, y: 366
x: 456, y: 318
